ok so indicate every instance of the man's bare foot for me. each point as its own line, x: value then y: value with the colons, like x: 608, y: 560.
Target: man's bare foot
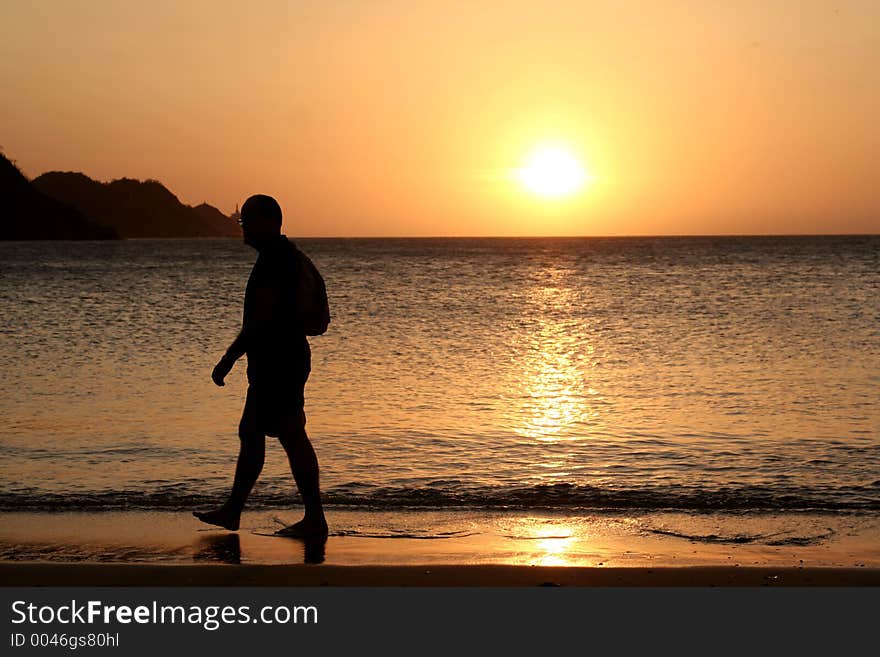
x: 220, y: 517
x: 305, y: 529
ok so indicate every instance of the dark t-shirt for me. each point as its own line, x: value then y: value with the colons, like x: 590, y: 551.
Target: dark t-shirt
x: 277, y: 349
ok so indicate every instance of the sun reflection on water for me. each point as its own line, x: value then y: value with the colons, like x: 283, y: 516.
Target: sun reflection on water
x: 555, y: 551
x: 557, y: 395
x: 550, y: 543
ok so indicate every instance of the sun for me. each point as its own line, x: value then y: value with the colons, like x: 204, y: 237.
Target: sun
x: 552, y: 171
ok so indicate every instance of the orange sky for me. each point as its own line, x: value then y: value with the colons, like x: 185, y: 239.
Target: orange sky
x: 406, y: 118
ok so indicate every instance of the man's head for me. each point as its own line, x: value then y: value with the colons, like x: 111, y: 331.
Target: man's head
x: 260, y: 219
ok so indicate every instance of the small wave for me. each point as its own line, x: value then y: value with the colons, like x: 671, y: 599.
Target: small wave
x: 766, y: 539
x: 164, y: 494
x: 404, y: 534
x: 709, y: 538
x: 143, y: 451
x: 801, y: 540
x: 518, y: 537
x: 356, y: 533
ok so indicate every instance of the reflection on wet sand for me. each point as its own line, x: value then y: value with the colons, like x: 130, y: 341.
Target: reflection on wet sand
x: 577, y: 538
x: 555, y: 543
x: 555, y: 551
x: 314, y: 550
x: 548, y: 543
x: 236, y: 548
x: 221, y: 548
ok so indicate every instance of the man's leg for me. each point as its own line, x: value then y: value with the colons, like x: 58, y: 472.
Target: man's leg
x: 304, y: 466
x: 251, y: 455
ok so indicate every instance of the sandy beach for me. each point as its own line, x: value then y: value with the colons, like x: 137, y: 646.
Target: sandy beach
x: 377, y: 549
x: 49, y: 574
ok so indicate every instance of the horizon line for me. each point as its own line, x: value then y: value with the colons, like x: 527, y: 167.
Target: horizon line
x: 499, y: 237
x: 616, y: 236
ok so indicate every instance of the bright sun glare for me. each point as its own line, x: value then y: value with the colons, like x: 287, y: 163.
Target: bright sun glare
x: 552, y: 171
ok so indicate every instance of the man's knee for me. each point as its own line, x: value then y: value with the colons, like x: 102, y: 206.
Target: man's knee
x: 293, y: 431
x: 248, y: 433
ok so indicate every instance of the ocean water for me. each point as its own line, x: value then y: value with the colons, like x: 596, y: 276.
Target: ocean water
x: 728, y: 375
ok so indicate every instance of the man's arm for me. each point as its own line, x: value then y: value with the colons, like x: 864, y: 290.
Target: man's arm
x: 224, y: 365
x: 259, y: 310
x: 237, y: 349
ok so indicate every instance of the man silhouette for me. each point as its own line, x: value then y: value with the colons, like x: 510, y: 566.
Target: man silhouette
x: 279, y: 362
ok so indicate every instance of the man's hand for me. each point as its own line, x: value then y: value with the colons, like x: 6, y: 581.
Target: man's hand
x: 221, y: 369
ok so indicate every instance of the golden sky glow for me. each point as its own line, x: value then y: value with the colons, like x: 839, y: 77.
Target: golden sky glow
x: 407, y: 118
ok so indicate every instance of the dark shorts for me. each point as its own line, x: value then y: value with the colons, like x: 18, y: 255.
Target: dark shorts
x: 272, y: 406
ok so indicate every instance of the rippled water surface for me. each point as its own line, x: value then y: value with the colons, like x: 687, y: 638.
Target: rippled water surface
x: 692, y: 373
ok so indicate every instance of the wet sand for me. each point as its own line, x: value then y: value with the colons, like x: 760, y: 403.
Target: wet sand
x: 423, y: 548
x: 50, y: 574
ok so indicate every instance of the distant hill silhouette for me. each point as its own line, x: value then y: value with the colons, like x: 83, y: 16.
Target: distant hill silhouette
x: 134, y: 208
x: 28, y: 214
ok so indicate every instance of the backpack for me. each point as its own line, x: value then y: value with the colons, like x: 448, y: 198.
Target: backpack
x: 312, y: 306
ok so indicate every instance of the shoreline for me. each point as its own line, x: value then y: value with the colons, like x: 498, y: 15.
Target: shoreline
x: 41, y: 574
x: 440, y: 549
